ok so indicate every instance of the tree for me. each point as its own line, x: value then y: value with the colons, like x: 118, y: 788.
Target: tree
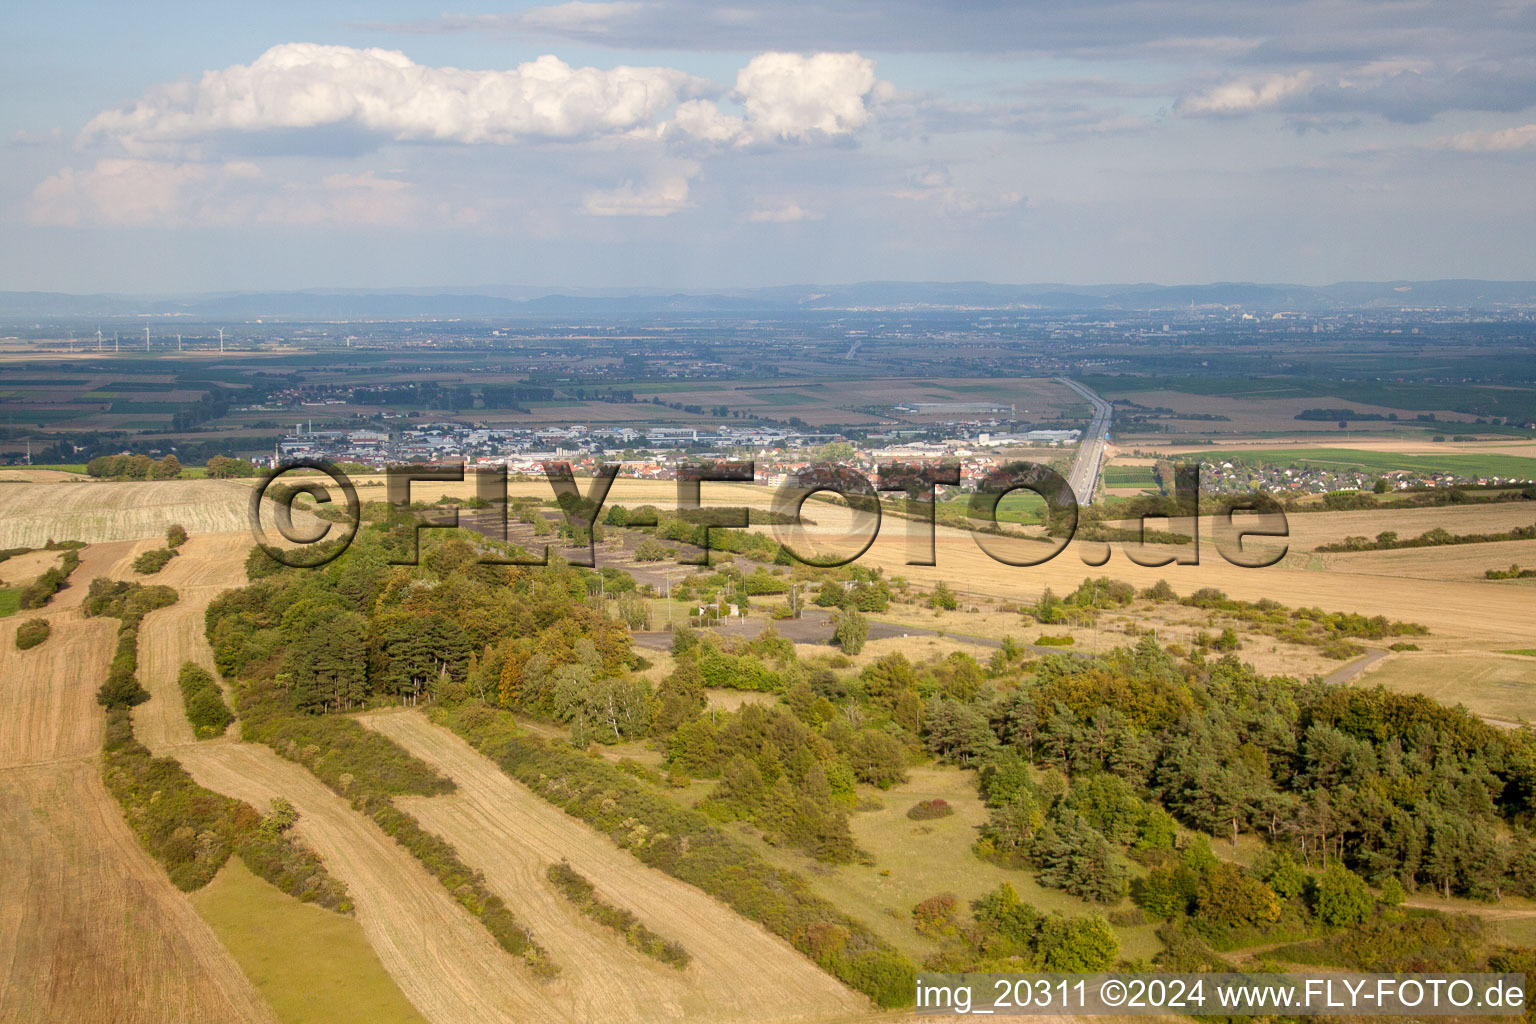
x: 1342, y: 898
x: 1079, y: 944
x: 852, y: 630
x: 1226, y: 897
x: 175, y: 535
x: 1074, y: 856
x: 943, y: 599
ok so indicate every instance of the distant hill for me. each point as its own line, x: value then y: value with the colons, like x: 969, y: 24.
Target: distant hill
x: 426, y: 303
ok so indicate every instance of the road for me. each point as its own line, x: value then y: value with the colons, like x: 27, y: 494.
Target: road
x: 1084, y: 475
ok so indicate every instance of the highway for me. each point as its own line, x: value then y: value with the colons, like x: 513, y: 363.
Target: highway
x: 1084, y: 475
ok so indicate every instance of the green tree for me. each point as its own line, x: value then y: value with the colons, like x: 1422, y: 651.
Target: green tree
x: 943, y: 599
x: 1342, y: 898
x: 1079, y: 944
x: 852, y: 631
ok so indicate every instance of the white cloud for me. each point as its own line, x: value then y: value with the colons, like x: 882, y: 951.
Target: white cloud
x: 383, y: 92
x: 1246, y: 95
x: 135, y: 193
x: 660, y: 198
x: 125, y: 192
x: 576, y: 16
x: 934, y: 187
x: 788, y: 97
x: 1523, y: 137
x: 786, y: 212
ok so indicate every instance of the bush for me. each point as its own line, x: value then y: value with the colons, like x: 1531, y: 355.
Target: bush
x: 152, y: 561
x: 204, y: 702
x: 31, y: 633
x: 852, y: 631
x: 1342, y: 898
x: 175, y: 535
x: 927, y: 810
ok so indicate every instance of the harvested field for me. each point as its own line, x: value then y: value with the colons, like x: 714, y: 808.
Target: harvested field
x: 739, y: 970
x: 19, y: 570
x: 90, y: 927
x: 1311, y: 529
x: 1451, y: 562
x: 206, y: 567
x: 49, y: 692
x: 23, y: 475
x: 98, y: 512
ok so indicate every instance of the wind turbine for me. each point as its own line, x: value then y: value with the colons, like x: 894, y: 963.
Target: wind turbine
x: 221, y: 339
x: 146, y: 337
x: 98, y: 339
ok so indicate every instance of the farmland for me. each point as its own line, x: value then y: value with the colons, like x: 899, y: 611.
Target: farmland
x: 1484, y: 464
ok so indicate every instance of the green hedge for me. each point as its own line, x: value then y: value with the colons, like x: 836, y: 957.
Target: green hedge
x: 204, y: 701
x: 152, y: 561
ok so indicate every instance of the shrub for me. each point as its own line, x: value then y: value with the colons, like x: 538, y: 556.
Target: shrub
x: 1342, y: 898
x: 852, y: 631
x: 31, y: 633
x: 204, y: 702
x: 152, y: 561
x: 926, y: 810
x: 175, y: 535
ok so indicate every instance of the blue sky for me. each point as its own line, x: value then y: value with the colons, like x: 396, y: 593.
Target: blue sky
x: 685, y: 143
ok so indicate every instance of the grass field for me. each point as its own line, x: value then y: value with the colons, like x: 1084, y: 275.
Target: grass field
x: 1495, y: 686
x: 918, y: 859
x: 1363, y: 461
x: 10, y: 601
x: 1129, y: 476
x: 313, y: 966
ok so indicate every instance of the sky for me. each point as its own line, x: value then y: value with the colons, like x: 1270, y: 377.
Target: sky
x: 178, y: 147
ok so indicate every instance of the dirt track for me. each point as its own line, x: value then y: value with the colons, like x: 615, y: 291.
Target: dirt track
x: 740, y: 971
